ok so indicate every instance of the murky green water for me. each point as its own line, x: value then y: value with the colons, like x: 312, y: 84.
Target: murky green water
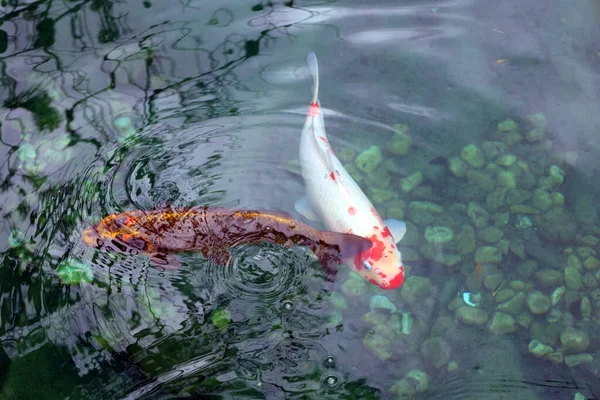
x: 114, y: 106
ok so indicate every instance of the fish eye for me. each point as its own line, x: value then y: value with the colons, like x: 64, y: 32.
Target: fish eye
x: 367, y: 265
x: 267, y: 228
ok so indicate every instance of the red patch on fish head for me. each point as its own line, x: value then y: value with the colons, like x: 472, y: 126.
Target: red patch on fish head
x: 314, y: 109
x: 395, y: 282
x: 376, y: 252
x: 351, y: 210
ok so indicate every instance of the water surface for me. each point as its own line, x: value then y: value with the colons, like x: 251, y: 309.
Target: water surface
x: 111, y: 106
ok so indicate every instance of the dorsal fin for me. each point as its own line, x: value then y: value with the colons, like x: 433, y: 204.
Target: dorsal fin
x: 313, y: 66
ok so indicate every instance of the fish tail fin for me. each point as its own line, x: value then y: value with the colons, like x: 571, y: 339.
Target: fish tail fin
x: 343, y: 245
x: 313, y: 66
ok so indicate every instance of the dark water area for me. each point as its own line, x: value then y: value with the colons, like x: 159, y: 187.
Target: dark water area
x: 485, y: 117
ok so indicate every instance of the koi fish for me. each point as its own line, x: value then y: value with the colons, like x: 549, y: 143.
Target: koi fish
x: 212, y: 231
x: 334, y: 198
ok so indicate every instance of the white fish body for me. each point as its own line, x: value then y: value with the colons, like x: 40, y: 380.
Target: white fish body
x: 334, y: 198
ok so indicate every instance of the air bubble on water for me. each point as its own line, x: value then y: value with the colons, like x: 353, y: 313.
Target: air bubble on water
x: 329, y: 362
x: 15, y: 238
x: 331, y: 380
x: 288, y: 305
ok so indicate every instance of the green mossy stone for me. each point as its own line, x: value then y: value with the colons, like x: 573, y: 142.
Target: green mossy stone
x: 506, y: 160
x: 471, y: 315
x: 480, y: 180
x: 574, y: 340
x: 488, y: 255
x: 493, y: 149
x: 537, y: 302
x: 491, y: 234
x: 547, y: 277
x: 410, y: 182
x: 527, y: 268
x: 436, y: 351
x: 346, y: 154
x: 517, y: 196
x: 507, y: 125
x: 495, y: 199
x: 478, y: 215
x: 419, y: 379
x: 513, y: 305
x: 438, y: 234
x: 502, y: 323
x: 512, y: 138
x: 416, y: 289
x: 369, y: 159
x: 354, y: 287
x: 538, y: 349
x: 573, y: 360
x: 572, y: 278
x: 473, y: 156
x: 535, y: 135
x: 466, y: 240
x: 380, y: 346
x: 538, y: 120
x: 542, y: 200
x: 399, y: 143
x: 458, y: 167
x: 508, y: 179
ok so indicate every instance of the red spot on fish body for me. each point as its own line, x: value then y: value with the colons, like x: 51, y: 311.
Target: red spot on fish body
x: 386, y: 232
x: 314, y: 109
x: 375, y: 227
x: 374, y: 282
x: 323, y: 139
x: 351, y: 211
x: 332, y: 176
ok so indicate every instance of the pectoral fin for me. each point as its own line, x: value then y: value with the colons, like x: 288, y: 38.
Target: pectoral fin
x: 168, y: 261
x: 397, y: 228
x: 303, y: 207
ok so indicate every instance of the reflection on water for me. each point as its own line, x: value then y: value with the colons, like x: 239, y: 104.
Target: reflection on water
x: 115, y: 106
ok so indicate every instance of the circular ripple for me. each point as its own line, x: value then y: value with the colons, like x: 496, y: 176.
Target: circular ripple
x: 261, y: 274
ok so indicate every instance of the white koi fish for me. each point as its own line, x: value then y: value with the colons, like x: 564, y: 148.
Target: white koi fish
x: 334, y: 198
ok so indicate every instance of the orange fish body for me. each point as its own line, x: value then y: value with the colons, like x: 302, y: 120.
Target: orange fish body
x: 213, y: 231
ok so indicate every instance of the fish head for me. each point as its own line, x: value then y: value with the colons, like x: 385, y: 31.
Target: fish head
x: 116, y: 232
x: 381, y: 264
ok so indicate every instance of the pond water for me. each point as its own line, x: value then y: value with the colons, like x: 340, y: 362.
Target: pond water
x: 485, y: 117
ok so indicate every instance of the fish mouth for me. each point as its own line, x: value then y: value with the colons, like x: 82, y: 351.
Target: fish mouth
x: 395, y: 282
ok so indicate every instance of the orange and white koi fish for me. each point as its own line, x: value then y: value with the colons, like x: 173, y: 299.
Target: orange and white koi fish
x: 212, y: 231
x: 334, y: 198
